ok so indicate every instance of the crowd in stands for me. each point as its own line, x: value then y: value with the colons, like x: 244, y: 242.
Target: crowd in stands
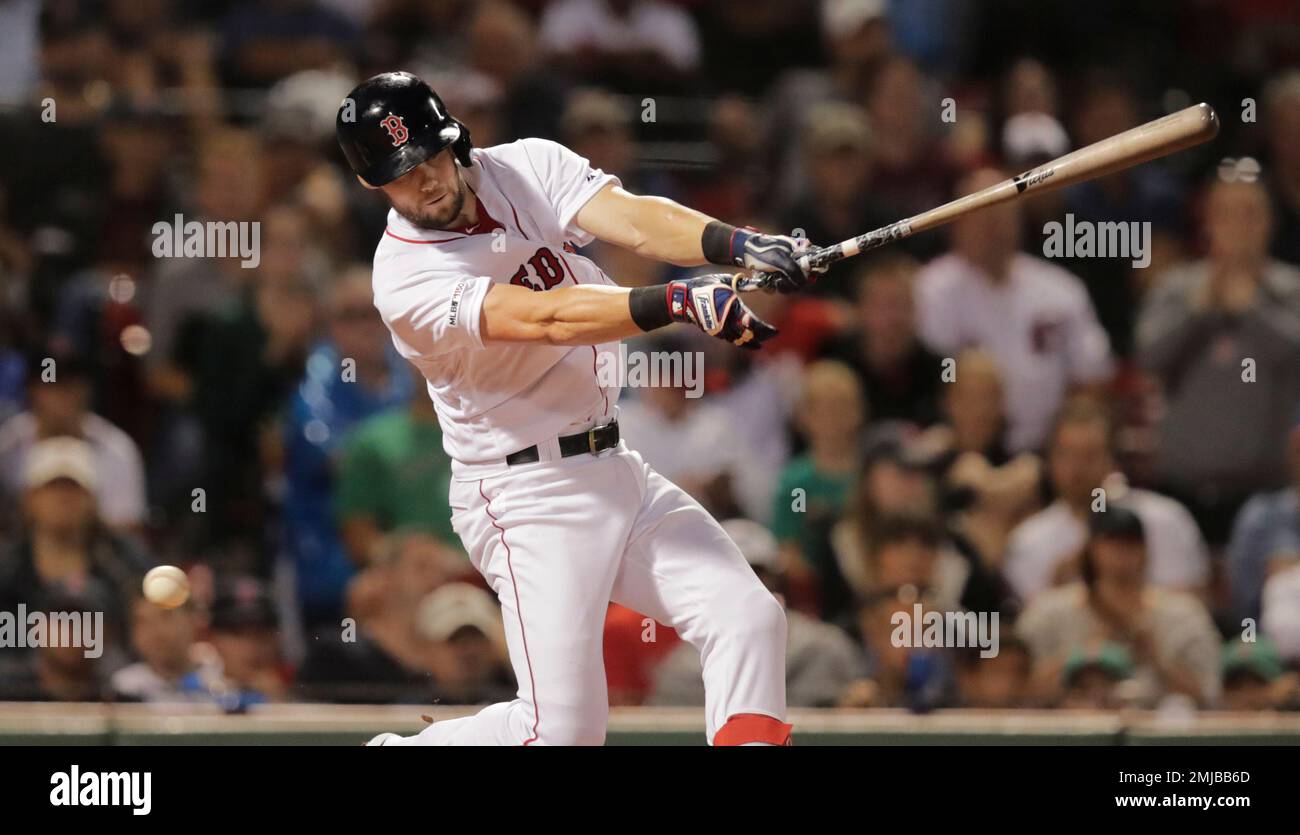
x: 1099, y: 456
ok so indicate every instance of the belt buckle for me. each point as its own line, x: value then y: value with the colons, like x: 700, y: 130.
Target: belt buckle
x: 591, y: 440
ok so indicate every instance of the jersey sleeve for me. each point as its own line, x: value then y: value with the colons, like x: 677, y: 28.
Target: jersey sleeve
x: 433, y: 314
x: 1088, y: 346
x: 568, y: 181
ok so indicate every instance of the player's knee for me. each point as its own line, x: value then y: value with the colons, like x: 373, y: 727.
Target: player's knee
x: 753, y: 618
x: 769, y: 625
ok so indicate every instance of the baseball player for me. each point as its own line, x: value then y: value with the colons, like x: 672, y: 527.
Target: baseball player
x: 478, y: 279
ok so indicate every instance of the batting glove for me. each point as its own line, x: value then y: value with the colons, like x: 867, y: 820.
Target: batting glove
x: 711, y: 303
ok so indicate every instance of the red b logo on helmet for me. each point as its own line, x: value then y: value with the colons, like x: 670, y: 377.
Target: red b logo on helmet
x: 396, y: 128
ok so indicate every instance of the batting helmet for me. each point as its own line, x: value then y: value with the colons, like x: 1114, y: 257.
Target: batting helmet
x: 391, y: 123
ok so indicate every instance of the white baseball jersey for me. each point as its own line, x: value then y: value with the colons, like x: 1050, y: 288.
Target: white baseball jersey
x: 559, y: 538
x: 495, y: 399
x: 1038, y: 325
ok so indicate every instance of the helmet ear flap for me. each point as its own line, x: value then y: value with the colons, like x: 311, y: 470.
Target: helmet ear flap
x: 460, y: 147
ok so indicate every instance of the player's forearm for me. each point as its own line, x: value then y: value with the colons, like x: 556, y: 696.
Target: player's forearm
x: 582, y: 315
x: 668, y: 231
x: 653, y: 227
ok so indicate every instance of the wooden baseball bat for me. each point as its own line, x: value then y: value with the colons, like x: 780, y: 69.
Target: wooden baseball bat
x: 1157, y: 138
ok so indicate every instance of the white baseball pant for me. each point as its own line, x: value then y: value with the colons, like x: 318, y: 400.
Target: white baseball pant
x: 560, y: 538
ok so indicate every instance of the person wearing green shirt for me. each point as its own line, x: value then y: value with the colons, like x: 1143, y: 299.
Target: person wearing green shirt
x: 815, y: 487
x: 394, y: 476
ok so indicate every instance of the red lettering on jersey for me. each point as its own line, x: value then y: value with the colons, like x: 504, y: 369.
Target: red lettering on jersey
x: 544, y: 266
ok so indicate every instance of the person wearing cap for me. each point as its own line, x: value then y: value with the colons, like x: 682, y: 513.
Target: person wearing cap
x: 1091, y: 677
x: 836, y: 203
x: 243, y: 627
x: 857, y: 40
x: 1173, y: 642
x: 1255, y: 677
x: 466, y: 652
x: 821, y: 660
x: 1043, y: 550
x: 385, y: 659
x: 61, y: 542
x: 58, y: 390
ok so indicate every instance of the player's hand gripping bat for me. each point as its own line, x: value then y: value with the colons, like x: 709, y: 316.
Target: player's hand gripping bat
x: 1160, y: 137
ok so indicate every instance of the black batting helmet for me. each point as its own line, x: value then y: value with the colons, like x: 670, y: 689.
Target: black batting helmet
x: 391, y: 123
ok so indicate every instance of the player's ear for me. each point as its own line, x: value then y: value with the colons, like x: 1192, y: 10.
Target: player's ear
x: 367, y: 185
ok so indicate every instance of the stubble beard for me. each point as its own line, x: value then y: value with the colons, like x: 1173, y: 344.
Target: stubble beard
x: 444, y: 218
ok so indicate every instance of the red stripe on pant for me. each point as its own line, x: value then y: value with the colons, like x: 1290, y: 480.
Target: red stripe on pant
x: 519, y: 612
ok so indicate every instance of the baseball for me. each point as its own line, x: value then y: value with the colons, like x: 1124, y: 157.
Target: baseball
x: 166, y: 586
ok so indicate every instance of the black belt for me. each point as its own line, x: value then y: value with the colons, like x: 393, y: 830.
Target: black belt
x: 584, y: 443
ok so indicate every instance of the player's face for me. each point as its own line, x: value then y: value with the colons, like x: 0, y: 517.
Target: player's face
x: 432, y: 194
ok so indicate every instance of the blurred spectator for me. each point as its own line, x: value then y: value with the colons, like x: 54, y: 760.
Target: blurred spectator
x: 821, y: 660
x: 627, y: 42
x: 898, y: 674
x: 244, y: 630
x: 1168, y: 634
x: 61, y: 543
x: 394, y: 478
x: 503, y: 46
x: 907, y: 548
x: 1265, y: 534
x: 61, y: 670
x: 1279, y: 616
x: 1225, y: 331
x: 20, y: 47
x: 246, y: 360
x: 59, y: 395
x: 836, y: 203
x: 1045, y: 549
x: 382, y: 657
x: 912, y: 171
x: 985, y: 492
x: 597, y: 126
x: 355, y: 374
x: 1093, y: 678
x: 227, y: 188
x: 857, y: 41
x: 686, y: 438
x: 1148, y: 193
x: 894, y: 481
x: 1032, y: 316
x: 467, y: 646
x: 1000, y: 682
x: 1281, y: 120
x: 1254, y: 677
x: 901, y: 378
x: 263, y: 41
x: 172, y: 666
x: 814, y: 488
